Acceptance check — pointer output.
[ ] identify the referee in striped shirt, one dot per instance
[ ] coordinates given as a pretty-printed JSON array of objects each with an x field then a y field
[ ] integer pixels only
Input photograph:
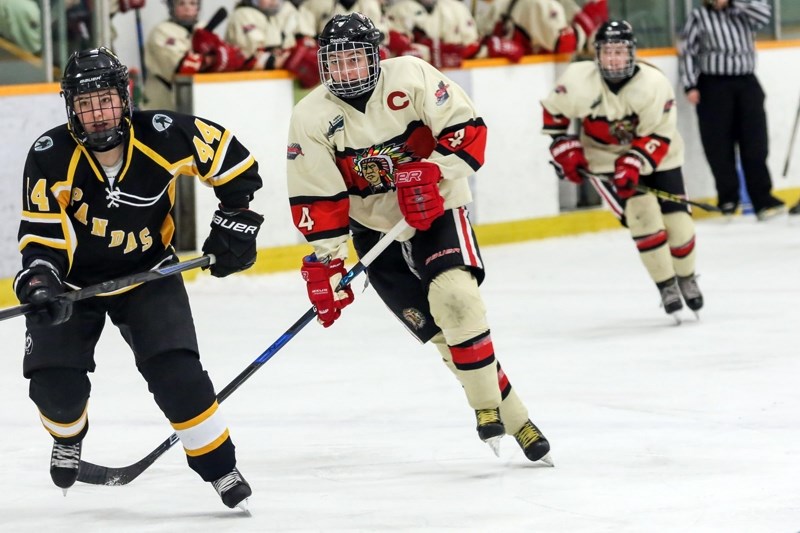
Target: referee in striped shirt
[{"x": 717, "y": 64}]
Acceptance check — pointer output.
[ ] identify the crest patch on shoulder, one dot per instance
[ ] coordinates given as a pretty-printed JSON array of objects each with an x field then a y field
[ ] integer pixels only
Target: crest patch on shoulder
[
  {"x": 161, "y": 121},
  {"x": 43, "y": 143}
]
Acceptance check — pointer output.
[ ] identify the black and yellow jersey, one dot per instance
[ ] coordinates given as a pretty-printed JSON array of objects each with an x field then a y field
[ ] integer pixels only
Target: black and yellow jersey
[{"x": 96, "y": 228}]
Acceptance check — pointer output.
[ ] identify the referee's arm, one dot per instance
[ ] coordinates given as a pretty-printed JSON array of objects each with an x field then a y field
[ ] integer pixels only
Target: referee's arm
[
  {"x": 757, "y": 12},
  {"x": 689, "y": 50}
]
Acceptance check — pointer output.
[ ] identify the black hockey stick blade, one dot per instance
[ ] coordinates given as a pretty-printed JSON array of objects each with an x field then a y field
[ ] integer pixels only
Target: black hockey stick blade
[
  {"x": 103, "y": 475},
  {"x": 664, "y": 195},
  {"x": 119, "y": 283}
]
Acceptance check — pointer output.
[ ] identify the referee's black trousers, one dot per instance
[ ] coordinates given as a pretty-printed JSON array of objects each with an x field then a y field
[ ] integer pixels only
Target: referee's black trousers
[{"x": 731, "y": 113}]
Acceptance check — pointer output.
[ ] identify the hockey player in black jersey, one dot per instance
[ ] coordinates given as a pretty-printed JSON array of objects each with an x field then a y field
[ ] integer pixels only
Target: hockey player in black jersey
[{"x": 97, "y": 197}]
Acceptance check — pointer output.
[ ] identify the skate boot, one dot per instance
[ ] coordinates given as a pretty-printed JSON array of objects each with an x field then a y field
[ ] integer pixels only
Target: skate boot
[
  {"x": 233, "y": 489},
  {"x": 535, "y": 446},
  {"x": 64, "y": 463},
  {"x": 691, "y": 292},
  {"x": 490, "y": 428},
  {"x": 670, "y": 295}
]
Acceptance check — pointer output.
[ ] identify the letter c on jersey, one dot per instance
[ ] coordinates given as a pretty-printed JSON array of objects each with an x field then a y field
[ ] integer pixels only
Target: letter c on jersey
[{"x": 397, "y": 100}]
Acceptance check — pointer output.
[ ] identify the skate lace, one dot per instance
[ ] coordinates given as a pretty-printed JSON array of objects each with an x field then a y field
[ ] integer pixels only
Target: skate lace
[
  {"x": 527, "y": 435},
  {"x": 66, "y": 456},
  {"x": 226, "y": 482},
  {"x": 689, "y": 288},
  {"x": 671, "y": 293},
  {"x": 487, "y": 416}
]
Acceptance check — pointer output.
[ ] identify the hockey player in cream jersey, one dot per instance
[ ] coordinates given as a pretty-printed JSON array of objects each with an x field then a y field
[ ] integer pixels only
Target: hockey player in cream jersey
[
  {"x": 628, "y": 129},
  {"x": 384, "y": 140}
]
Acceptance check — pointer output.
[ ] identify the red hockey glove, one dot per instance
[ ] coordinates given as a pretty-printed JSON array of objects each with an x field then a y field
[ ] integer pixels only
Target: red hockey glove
[
  {"x": 302, "y": 62},
  {"x": 226, "y": 58},
  {"x": 191, "y": 63},
  {"x": 626, "y": 175},
  {"x": 399, "y": 43},
  {"x": 506, "y": 48},
  {"x": 568, "y": 156},
  {"x": 567, "y": 41},
  {"x": 592, "y": 15},
  {"x": 205, "y": 42},
  {"x": 418, "y": 193},
  {"x": 321, "y": 281},
  {"x": 127, "y": 5}
]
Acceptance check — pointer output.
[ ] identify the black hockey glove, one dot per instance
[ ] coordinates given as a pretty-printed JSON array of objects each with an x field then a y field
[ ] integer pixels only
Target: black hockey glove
[
  {"x": 39, "y": 285},
  {"x": 232, "y": 240}
]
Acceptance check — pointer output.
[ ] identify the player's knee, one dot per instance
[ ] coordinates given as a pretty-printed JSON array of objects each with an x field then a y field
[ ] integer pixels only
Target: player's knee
[
  {"x": 60, "y": 393},
  {"x": 456, "y": 305},
  {"x": 643, "y": 215},
  {"x": 180, "y": 386}
]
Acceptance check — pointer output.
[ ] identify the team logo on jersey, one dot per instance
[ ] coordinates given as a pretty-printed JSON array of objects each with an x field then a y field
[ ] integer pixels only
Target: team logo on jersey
[
  {"x": 624, "y": 130},
  {"x": 42, "y": 144},
  {"x": 335, "y": 125},
  {"x": 28, "y": 344},
  {"x": 161, "y": 122},
  {"x": 414, "y": 317},
  {"x": 669, "y": 105},
  {"x": 441, "y": 93},
  {"x": 293, "y": 151},
  {"x": 376, "y": 165}
]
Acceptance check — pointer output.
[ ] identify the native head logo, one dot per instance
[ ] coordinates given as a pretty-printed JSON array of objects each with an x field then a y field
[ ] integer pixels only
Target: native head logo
[
  {"x": 441, "y": 93},
  {"x": 293, "y": 151},
  {"x": 624, "y": 130},
  {"x": 376, "y": 166}
]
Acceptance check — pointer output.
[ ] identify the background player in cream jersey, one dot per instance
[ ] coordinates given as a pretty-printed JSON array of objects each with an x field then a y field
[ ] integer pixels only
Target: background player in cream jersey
[
  {"x": 628, "y": 129},
  {"x": 384, "y": 140}
]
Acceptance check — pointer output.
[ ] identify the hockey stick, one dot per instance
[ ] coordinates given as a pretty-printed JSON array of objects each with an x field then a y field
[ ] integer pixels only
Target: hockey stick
[
  {"x": 118, "y": 283},
  {"x": 104, "y": 475},
  {"x": 140, "y": 40},
  {"x": 791, "y": 142},
  {"x": 664, "y": 195}
]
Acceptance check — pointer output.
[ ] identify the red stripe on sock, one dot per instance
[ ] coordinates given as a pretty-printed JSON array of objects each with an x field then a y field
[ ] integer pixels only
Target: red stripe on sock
[{"x": 479, "y": 351}]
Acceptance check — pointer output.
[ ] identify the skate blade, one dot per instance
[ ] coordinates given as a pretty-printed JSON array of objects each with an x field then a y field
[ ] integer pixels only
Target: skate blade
[
  {"x": 64, "y": 492},
  {"x": 677, "y": 318},
  {"x": 244, "y": 506},
  {"x": 494, "y": 444},
  {"x": 547, "y": 460}
]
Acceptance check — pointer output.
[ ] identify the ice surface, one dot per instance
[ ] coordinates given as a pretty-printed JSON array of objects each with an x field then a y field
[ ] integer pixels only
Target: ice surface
[{"x": 654, "y": 427}]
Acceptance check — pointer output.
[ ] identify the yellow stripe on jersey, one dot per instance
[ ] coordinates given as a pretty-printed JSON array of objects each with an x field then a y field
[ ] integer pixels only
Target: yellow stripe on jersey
[
  {"x": 70, "y": 429},
  {"x": 202, "y": 433},
  {"x": 173, "y": 168},
  {"x": 225, "y": 177},
  {"x": 219, "y": 155},
  {"x": 97, "y": 174},
  {"x": 128, "y": 158},
  {"x": 59, "y": 244}
]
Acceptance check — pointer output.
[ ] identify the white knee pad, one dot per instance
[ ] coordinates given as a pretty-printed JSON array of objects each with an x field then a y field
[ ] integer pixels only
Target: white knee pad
[{"x": 457, "y": 306}]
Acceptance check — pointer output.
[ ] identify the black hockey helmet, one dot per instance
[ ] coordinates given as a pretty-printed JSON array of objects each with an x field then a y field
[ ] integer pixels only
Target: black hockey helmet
[
  {"x": 93, "y": 70},
  {"x": 614, "y": 32},
  {"x": 349, "y": 33},
  {"x": 187, "y": 23}
]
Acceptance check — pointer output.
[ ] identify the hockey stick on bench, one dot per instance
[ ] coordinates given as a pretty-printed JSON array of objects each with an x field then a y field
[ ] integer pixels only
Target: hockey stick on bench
[
  {"x": 104, "y": 475},
  {"x": 118, "y": 283},
  {"x": 664, "y": 195}
]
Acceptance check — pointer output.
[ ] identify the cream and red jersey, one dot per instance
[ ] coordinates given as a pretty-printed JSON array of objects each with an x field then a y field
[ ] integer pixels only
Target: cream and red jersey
[
  {"x": 537, "y": 25},
  {"x": 342, "y": 155},
  {"x": 250, "y": 29},
  {"x": 96, "y": 228},
  {"x": 317, "y": 13},
  {"x": 449, "y": 21},
  {"x": 639, "y": 116}
]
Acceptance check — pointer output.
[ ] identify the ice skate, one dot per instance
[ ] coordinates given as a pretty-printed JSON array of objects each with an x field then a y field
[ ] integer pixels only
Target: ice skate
[
  {"x": 773, "y": 209},
  {"x": 691, "y": 292},
  {"x": 535, "y": 446},
  {"x": 65, "y": 460},
  {"x": 490, "y": 428},
  {"x": 234, "y": 490},
  {"x": 671, "y": 297}
]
